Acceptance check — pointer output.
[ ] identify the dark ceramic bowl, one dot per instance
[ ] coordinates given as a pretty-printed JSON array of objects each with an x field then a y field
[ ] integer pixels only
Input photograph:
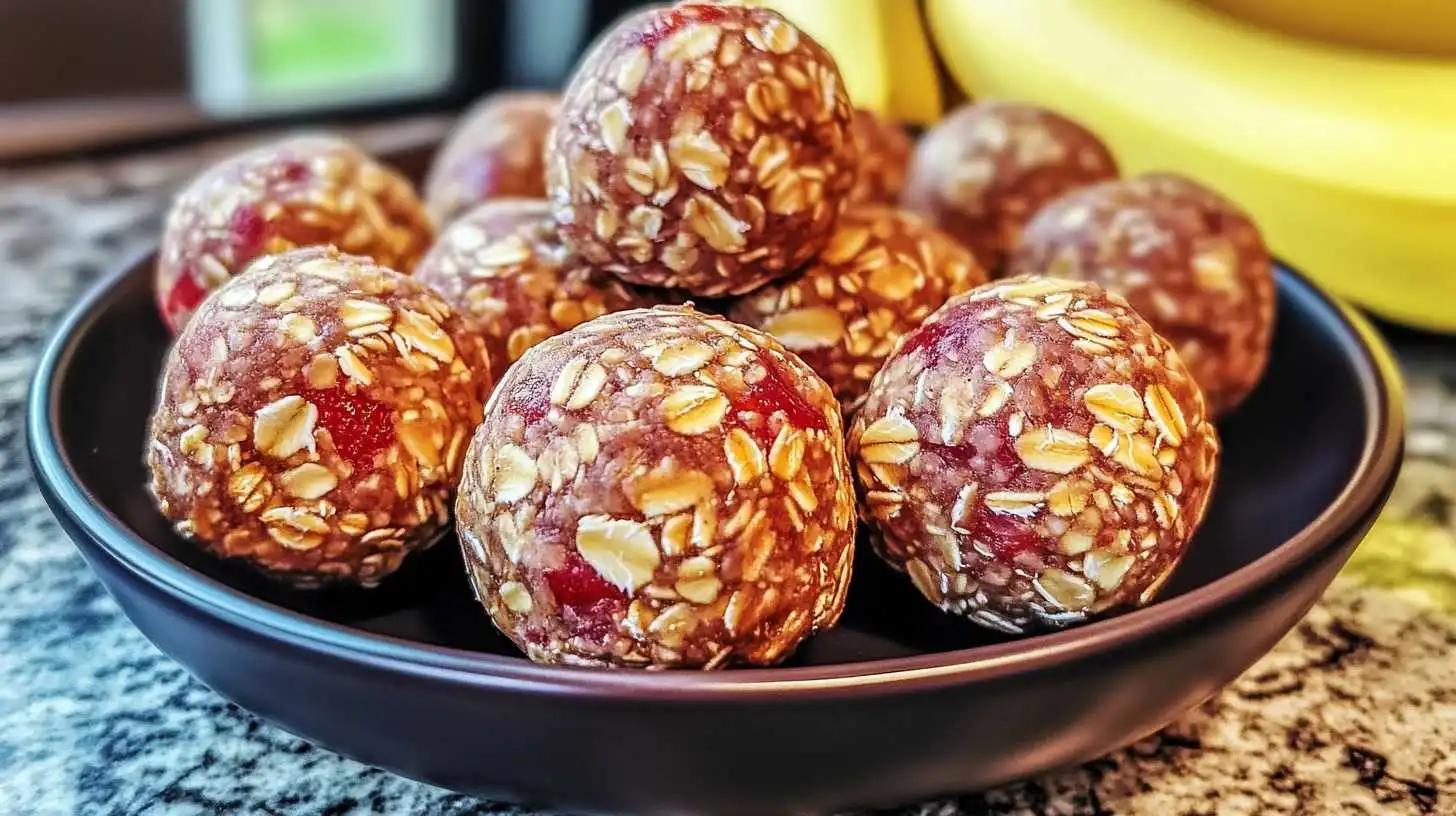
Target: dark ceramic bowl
[{"x": 898, "y": 703}]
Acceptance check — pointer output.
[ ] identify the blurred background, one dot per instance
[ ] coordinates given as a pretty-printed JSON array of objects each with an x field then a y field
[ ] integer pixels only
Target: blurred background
[{"x": 89, "y": 75}]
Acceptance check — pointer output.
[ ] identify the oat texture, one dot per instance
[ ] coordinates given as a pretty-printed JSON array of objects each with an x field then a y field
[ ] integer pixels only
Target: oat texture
[
  {"x": 985, "y": 169},
  {"x": 313, "y": 415},
  {"x": 1188, "y": 259},
  {"x": 1034, "y": 454},
  {"x": 702, "y": 147},
  {"x": 503, "y": 264},
  {"x": 659, "y": 488},
  {"x": 884, "y": 271},
  {"x": 296, "y": 192},
  {"x": 884, "y": 158},
  {"x": 1351, "y": 714},
  {"x": 495, "y": 151}
]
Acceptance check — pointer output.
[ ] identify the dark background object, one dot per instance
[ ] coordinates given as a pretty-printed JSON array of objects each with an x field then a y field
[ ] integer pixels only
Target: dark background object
[
  {"x": 899, "y": 703},
  {"x": 98, "y": 76}
]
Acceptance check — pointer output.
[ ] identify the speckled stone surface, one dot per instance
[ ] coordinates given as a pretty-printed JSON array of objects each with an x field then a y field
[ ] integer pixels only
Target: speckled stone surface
[{"x": 1354, "y": 713}]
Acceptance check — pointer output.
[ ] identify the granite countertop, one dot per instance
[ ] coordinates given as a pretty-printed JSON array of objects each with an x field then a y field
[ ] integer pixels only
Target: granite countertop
[{"x": 1353, "y": 713}]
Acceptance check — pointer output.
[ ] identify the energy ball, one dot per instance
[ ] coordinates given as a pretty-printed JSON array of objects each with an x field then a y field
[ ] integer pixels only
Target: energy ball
[
  {"x": 496, "y": 151},
  {"x": 984, "y": 170},
  {"x": 884, "y": 159},
  {"x": 884, "y": 271},
  {"x": 1034, "y": 455},
  {"x": 503, "y": 264},
  {"x": 660, "y": 489},
  {"x": 301, "y": 191},
  {"x": 704, "y": 147},
  {"x": 313, "y": 416},
  {"x": 1188, "y": 259}
]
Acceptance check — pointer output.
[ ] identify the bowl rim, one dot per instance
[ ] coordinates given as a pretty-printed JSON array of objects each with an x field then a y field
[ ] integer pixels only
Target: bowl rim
[{"x": 1379, "y": 382}]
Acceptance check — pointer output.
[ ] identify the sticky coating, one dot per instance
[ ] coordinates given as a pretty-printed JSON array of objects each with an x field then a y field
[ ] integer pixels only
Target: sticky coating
[
  {"x": 503, "y": 264},
  {"x": 297, "y": 192},
  {"x": 1188, "y": 259},
  {"x": 661, "y": 489},
  {"x": 1034, "y": 455},
  {"x": 884, "y": 271},
  {"x": 985, "y": 169},
  {"x": 313, "y": 416},
  {"x": 495, "y": 151},
  {"x": 884, "y": 159},
  {"x": 703, "y": 147}
]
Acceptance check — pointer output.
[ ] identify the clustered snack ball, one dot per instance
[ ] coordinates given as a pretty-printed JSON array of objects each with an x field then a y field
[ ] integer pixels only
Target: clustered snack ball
[
  {"x": 701, "y": 146},
  {"x": 884, "y": 158},
  {"x": 503, "y": 265},
  {"x": 497, "y": 150},
  {"x": 651, "y": 485},
  {"x": 313, "y": 416},
  {"x": 300, "y": 191},
  {"x": 882, "y": 273},
  {"x": 985, "y": 169},
  {"x": 1186, "y": 258},
  {"x": 659, "y": 488},
  {"x": 1033, "y": 455}
]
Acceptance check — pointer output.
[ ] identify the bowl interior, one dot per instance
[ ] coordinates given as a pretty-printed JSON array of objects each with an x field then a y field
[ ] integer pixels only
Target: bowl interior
[{"x": 1289, "y": 451}]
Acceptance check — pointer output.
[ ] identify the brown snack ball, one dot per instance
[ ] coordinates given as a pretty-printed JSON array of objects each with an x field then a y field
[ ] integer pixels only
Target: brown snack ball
[
  {"x": 1033, "y": 455},
  {"x": 1188, "y": 259},
  {"x": 884, "y": 271},
  {"x": 884, "y": 158},
  {"x": 503, "y": 264},
  {"x": 704, "y": 147},
  {"x": 313, "y": 416},
  {"x": 300, "y": 191},
  {"x": 984, "y": 170},
  {"x": 495, "y": 151},
  {"x": 659, "y": 488}
]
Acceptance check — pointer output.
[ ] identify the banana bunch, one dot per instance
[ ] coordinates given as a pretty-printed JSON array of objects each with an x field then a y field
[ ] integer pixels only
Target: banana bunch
[{"x": 1335, "y": 127}]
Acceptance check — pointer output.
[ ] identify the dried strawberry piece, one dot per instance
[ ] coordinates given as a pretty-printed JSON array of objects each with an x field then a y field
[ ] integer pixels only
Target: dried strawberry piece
[
  {"x": 185, "y": 295},
  {"x": 359, "y": 426},
  {"x": 247, "y": 227},
  {"x": 578, "y": 588},
  {"x": 776, "y": 392}
]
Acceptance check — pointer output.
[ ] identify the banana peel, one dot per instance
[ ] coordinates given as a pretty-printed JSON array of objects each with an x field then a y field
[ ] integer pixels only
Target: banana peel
[{"x": 883, "y": 51}]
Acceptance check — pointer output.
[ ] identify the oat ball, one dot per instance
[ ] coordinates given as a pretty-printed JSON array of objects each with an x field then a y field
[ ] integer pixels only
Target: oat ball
[
  {"x": 884, "y": 158},
  {"x": 1034, "y": 455},
  {"x": 659, "y": 488},
  {"x": 1188, "y": 259},
  {"x": 884, "y": 271},
  {"x": 313, "y": 416},
  {"x": 503, "y": 264},
  {"x": 301, "y": 191},
  {"x": 495, "y": 151},
  {"x": 702, "y": 146},
  {"x": 985, "y": 169}
]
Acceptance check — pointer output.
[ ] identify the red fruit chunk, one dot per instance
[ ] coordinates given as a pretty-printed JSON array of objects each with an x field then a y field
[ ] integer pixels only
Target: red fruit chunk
[
  {"x": 247, "y": 227},
  {"x": 935, "y": 339},
  {"x": 295, "y": 171},
  {"x": 531, "y": 400},
  {"x": 673, "y": 21},
  {"x": 1007, "y": 536},
  {"x": 578, "y": 588},
  {"x": 359, "y": 426},
  {"x": 776, "y": 392},
  {"x": 185, "y": 294}
]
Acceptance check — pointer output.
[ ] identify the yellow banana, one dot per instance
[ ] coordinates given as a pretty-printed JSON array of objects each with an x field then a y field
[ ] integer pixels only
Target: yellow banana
[
  {"x": 882, "y": 51},
  {"x": 1344, "y": 156},
  {"x": 1423, "y": 27}
]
